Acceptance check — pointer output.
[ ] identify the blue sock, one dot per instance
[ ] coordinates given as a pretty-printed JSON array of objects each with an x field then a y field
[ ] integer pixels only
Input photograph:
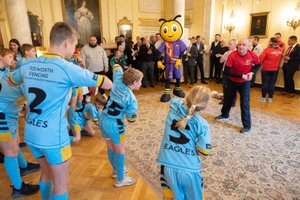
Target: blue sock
[
  {"x": 12, "y": 169},
  {"x": 111, "y": 155},
  {"x": 21, "y": 160},
  {"x": 46, "y": 190},
  {"x": 71, "y": 139},
  {"x": 63, "y": 196},
  {"x": 119, "y": 161},
  {"x": 70, "y": 111},
  {"x": 79, "y": 104}
]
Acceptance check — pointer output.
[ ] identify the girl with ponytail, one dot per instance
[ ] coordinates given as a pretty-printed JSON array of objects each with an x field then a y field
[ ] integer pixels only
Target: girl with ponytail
[{"x": 186, "y": 134}]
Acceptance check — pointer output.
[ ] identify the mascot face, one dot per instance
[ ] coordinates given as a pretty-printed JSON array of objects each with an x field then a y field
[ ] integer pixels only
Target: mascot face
[{"x": 171, "y": 31}]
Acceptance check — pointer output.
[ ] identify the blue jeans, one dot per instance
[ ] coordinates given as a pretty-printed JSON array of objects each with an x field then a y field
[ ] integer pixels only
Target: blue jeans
[
  {"x": 268, "y": 79},
  {"x": 244, "y": 91}
]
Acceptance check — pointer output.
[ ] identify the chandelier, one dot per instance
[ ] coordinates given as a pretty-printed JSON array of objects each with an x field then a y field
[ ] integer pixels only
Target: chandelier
[
  {"x": 230, "y": 26},
  {"x": 294, "y": 21}
]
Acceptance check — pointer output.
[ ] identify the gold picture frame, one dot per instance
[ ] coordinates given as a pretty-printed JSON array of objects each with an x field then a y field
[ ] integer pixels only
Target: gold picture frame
[
  {"x": 85, "y": 17},
  {"x": 259, "y": 24}
]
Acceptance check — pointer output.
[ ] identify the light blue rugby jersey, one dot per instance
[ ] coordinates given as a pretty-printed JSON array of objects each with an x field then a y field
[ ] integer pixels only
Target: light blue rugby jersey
[
  {"x": 179, "y": 147},
  {"x": 121, "y": 99},
  {"x": 8, "y": 96},
  {"x": 89, "y": 112},
  {"x": 47, "y": 83}
]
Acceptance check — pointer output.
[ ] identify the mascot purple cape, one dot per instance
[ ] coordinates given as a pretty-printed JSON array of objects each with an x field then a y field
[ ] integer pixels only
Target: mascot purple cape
[{"x": 173, "y": 48}]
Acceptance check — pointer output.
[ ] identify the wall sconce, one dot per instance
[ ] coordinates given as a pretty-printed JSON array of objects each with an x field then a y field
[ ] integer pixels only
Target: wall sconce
[
  {"x": 230, "y": 26},
  {"x": 294, "y": 20}
]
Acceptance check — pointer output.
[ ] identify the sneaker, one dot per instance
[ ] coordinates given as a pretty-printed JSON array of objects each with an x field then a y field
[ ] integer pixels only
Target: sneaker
[
  {"x": 127, "y": 180},
  {"x": 26, "y": 189},
  {"x": 115, "y": 173},
  {"x": 221, "y": 118},
  {"x": 262, "y": 99},
  {"x": 270, "y": 100},
  {"x": 245, "y": 131},
  {"x": 31, "y": 167}
]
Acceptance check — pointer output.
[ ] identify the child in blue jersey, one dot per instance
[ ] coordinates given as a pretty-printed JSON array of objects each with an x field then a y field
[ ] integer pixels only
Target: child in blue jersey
[
  {"x": 47, "y": 82},
  {"x": 28, "y": 51},
  {"x": 121, "y": 102},
  {"x": 14, "y": 162},
  {"x": 186, "y": 135},
  {"x": 80, "y": 118}
]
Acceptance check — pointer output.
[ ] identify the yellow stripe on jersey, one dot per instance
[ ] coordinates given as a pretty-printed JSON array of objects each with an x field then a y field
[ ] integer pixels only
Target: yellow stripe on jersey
[
  {"x": 12, "y": 81},
  {"x": 100, "y": 81},
  {"x": 5, "y": 137},
  {"x": 76, "y": 128},
  {"x": 168, "y": 193},
  {"x": 79, "y": 90},
  {"x": 122, "y": 138},
  {"x": 95, "y": 120},
  {"x": 66, "y": 152},
  {"x": 204, "y": 152},
  {"x": 51, "y": 55},
  {"x": 116, "y": 67}
]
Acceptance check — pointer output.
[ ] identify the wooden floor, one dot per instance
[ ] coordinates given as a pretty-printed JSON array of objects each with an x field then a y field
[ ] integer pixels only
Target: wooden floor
[{"x": 90, "y": 172}]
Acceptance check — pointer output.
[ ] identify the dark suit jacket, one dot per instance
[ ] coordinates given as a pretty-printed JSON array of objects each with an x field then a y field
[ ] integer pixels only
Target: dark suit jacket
[
  {"x": 215, "y": 49},
  {"x": 200, "y": 51},
  {"x": 192, "y": 58},
  {"x": 294, "y": 60}
]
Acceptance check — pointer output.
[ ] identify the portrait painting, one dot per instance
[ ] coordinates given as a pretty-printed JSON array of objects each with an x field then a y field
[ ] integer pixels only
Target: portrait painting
[
  {"x": 259, "y": 24},
  {"x": 36, "y": 33},
  {"x": 84, "y": 16}
]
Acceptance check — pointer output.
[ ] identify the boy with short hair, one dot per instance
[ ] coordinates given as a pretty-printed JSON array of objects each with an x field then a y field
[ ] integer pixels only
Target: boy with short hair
[{"x": 47, "y": 82}]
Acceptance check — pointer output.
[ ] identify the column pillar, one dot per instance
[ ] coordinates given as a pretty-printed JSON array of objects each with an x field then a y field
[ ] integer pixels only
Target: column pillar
[
  {"x": 178, "y": 9},
  {"x": 18, "y": 20},
  {"x": 208, "y": 31}
]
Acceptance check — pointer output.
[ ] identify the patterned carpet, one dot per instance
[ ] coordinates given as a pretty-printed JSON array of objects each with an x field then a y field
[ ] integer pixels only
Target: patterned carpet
[{"x": 262, "y": 165}]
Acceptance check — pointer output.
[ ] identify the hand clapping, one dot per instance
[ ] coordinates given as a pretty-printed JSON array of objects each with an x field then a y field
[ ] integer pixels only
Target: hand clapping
[{"x": 248, "y": 77}]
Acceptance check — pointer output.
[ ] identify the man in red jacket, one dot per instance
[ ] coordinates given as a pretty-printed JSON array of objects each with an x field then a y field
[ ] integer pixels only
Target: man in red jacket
[{"x": 270, "y": 59}]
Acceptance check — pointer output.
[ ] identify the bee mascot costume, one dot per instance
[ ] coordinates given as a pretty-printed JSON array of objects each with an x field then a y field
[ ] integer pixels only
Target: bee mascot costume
[{"x": 172, "y": 47}]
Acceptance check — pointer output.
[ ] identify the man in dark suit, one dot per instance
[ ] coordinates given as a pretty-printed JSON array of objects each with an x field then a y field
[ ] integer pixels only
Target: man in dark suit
[
  {"x": 200, "y": 51},
  {"x": 291, "y": 65},
  {"x": 214, "y": 50},
  {"x": 189, "y": 62}
]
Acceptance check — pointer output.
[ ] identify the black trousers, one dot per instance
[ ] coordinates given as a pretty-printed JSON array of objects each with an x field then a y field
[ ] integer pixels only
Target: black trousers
[
  {"x": 213, "y": 60},
  {"x": 188, "y": 69},
  {"x": 201, "y": 68},
  {"x": 288, "y": 75},
  {"x": 268, "y": 79},
  {"x": 244, "y": 91}
]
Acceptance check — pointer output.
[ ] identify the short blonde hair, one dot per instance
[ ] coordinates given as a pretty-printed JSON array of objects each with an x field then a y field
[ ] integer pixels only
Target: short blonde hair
[
  {"x": 131, "y": 75},
  {"x": 196, "y": 100}
]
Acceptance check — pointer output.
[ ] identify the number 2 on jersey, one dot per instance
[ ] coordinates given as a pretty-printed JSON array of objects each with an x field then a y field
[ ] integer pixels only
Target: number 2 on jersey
[{"x": 40, "y": 96}]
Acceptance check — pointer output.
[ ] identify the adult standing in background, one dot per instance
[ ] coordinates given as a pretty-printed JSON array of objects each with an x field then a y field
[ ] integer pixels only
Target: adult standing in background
[
  {"x": 94, "y": 58},
  {"x": 189, "y": 62},
  {"x": 147, "y": 58},
  {"x": 240, "y": 67},
  {"x": 219, "y": 65},
  {"x": 279, "y": 41},
  {"x": 214, "y": 50},
  {"x": 200, "y": 51},
  {"x": 84, "y": 17},
  {"x": 270, "y": 59},
  {"x": 291, "y": 65},
  {"x": 257, "y": 49}
]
